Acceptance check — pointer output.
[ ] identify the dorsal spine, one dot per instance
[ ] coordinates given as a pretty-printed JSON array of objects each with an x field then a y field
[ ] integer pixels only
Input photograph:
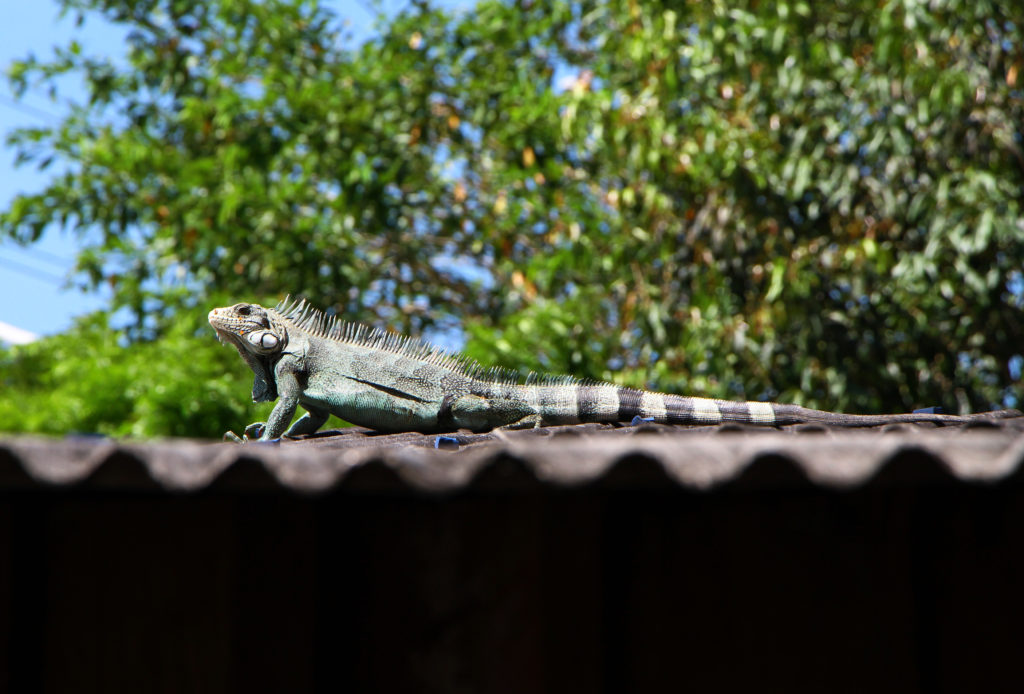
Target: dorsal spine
[{"x": 298, "y": 314}]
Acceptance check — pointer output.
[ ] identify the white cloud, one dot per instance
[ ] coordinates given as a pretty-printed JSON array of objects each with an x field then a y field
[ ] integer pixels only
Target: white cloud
[{"x": 15, "y": 336}]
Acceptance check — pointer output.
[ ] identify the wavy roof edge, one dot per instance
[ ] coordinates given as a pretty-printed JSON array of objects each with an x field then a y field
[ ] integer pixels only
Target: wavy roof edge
[{"x": 694, "y": 461}]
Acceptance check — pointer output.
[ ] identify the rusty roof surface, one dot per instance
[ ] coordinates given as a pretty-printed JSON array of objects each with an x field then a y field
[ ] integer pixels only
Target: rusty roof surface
[{"x": 695, "y": 458}]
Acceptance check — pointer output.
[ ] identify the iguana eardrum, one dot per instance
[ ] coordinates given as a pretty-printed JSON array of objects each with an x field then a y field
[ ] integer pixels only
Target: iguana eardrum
[{"x": 392, "y": 383}]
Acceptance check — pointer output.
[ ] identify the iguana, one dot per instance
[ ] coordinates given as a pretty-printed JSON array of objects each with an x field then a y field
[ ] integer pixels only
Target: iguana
[{"x": 392, "y": 383}]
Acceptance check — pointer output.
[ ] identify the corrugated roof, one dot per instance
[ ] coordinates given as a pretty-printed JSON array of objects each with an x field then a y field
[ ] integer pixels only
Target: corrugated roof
[{"x": 696, "y": 458}]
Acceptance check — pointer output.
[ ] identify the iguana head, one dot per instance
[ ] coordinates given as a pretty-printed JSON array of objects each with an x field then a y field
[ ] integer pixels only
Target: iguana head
[{"x": 258, "y": 337}]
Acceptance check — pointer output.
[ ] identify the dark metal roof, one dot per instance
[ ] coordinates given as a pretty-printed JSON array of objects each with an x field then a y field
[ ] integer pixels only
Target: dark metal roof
[{"x": 696, "y": 458}]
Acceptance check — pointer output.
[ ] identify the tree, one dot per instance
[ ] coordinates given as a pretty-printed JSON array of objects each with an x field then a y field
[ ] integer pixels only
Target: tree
[
  {"x": 822, "y": 200},
  {"x": 819, "y": 204},
  {"x": 244, "y": 147}
]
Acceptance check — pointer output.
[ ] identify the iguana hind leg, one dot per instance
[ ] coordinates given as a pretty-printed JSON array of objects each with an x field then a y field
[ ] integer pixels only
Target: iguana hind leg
[
  {"x": 471, "y": 412},
  {"x": 309, "y": 422},
  {"x": 480, "y": 414}
]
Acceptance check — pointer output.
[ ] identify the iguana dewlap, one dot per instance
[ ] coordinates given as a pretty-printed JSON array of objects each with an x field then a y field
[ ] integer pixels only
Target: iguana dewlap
[{"x": 392, "y": 383}]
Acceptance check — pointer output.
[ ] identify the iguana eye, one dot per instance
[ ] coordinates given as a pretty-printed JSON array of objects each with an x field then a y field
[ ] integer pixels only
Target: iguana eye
[{"x": 243, "y": 310}]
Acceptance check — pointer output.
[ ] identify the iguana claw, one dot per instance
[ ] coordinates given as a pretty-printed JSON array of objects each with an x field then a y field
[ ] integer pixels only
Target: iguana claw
[{"x": 253, "y": 432}]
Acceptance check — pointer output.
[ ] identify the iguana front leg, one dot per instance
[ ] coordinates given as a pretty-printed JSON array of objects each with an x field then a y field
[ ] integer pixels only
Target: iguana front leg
[{"x": 281, "y": 416}]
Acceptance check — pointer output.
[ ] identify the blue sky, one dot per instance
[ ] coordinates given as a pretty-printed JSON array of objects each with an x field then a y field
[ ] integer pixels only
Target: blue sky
[{"x": 33, "y": 295}]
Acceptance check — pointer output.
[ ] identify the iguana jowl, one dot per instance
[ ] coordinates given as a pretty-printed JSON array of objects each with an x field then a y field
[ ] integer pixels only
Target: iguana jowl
[{"x": 392, "y": 383}]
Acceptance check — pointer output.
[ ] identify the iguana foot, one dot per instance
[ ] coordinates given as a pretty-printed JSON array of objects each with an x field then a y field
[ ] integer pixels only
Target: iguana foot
[
  {"x": 255, "y": 430},
  {"x": 530, "y": 421},
  {"x": 252, "y": 432}
]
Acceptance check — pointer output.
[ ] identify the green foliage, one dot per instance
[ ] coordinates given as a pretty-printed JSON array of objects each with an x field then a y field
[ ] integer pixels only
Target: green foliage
[
  {"x": 819, "y": 203},
  {"x": 87, "y": 380}
]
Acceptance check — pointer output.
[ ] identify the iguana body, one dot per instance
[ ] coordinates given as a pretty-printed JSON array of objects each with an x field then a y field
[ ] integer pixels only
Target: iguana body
[{"x": 392, "y": 383}]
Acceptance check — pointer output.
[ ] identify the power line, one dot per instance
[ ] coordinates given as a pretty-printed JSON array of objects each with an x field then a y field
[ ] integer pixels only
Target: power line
[
  {"x": 32, "y": 272},
  {"x": 26, "y": 109},
  {"x": 47, "y": 257}
]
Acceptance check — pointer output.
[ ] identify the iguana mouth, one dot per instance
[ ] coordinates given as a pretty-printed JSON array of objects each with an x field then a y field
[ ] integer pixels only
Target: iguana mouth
[
  {"x": 224, "y": 337},
  {"x": 264, "y": 388},
  {"x": 228, "y": 338}
]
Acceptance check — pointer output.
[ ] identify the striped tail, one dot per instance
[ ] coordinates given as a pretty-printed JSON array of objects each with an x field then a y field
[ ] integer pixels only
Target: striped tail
[
  {"x": 678, "y": 409},
  {"x": 607, "y": 403}
]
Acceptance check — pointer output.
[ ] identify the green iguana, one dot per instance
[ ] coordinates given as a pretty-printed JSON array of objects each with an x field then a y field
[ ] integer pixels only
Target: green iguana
[{"x": 392, "y": 383}]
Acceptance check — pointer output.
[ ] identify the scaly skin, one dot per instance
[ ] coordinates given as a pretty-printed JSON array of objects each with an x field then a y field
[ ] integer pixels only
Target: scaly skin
[{"x": 393, "y": 383}]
